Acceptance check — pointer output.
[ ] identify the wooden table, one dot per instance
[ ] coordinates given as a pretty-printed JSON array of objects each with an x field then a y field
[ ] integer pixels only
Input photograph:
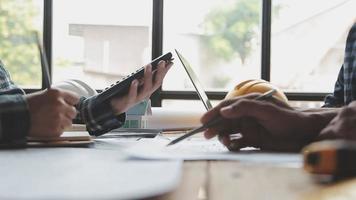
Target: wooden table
[{"x": 219, "y": 180}]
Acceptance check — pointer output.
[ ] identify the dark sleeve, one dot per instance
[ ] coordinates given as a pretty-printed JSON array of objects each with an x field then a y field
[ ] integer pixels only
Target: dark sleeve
[
  {"x": 98, "y": 117},
  {"x": 14, "y": 119},
  {"x": 14, "y": 113},
  {"x": 337, "y": 98}
]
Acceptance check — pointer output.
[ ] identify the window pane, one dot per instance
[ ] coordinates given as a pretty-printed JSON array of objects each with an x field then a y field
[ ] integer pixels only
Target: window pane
[
  {"x": 308, "y": 41},
  {"x": 220, "y": 39},
  {"x": 18, "y": 50},
  {"x": 100, "y": 41}
]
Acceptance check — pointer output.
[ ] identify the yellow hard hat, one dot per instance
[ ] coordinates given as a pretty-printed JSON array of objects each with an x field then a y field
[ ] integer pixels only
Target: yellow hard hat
[{"x": 256, "y": 85}]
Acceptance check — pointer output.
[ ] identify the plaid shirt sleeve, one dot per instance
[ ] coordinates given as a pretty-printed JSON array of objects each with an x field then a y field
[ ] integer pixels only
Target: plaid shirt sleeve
[
  {"x": 14, "y": 114},
  {"x": 98, "y": 117},
  {"x": 337, "y": 98},
  {"x": 345, "y": 86}
]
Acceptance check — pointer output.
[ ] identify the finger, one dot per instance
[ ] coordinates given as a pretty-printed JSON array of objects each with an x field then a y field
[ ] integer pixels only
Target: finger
[
  {"x": 169, "y": 65},
  {"x": 210, "y": 133},
  {"x": 224, "y": 139},
  {"x": 162, "y": 63},
  {"x": 214, "y": 112},
  {"x": 225, "y": 127},
  {"x": 58, "y": 132},
  {"x": 66, "y": 123},
  {"x": 147, "y": 82},
  {"x": 160, "y": 74},
  {"x": 237, "y": 144},
  {"x": 70, "y": 97},
  {"x": 70, "y": 112},
  {"x": 132, "y": 95},
  {"x": 62, "y": 123}
]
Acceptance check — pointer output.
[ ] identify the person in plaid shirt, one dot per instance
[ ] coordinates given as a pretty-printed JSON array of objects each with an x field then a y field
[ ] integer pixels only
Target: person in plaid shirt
[
  {"x": 345, "y": 90},
  {"x": 47, "y": 113},
  {"x": 273, "y": 125}
]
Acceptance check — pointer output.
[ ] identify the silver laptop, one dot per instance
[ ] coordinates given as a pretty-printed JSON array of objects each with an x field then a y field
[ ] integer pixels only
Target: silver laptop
[{"x": 193, "y": 77}]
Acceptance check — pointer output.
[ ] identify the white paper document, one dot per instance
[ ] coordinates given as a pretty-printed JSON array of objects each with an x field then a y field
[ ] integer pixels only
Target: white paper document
[
  {"x": 202, "y": 149},
  {"x": 82, "y": 173}
]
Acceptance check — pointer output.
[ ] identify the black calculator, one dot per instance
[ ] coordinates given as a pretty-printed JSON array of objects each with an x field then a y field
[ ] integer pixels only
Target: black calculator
[{"x": 122, "y": 87}]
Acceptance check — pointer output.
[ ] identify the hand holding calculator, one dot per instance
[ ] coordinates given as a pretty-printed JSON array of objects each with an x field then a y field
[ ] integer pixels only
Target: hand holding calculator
[{"x": 122, "y": 87}]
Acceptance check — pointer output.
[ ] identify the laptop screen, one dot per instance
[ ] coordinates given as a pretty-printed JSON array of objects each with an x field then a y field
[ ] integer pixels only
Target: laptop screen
[{"x": 198, "y": 87}]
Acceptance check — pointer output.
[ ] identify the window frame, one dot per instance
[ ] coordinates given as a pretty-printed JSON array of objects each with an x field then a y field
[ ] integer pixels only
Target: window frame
[{"x": 157, "y": 47}]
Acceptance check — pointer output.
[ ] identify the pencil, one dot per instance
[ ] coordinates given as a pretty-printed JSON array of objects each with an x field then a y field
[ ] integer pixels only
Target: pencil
[
  {"x": 44, "y": 62},
  {"x": 216, "y": 120}
]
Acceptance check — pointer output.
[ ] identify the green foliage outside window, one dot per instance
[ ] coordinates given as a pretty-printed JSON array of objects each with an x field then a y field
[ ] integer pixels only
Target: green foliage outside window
[
  {"x": 232, "y": 28},
  {"x": 18, "y": 50}
]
